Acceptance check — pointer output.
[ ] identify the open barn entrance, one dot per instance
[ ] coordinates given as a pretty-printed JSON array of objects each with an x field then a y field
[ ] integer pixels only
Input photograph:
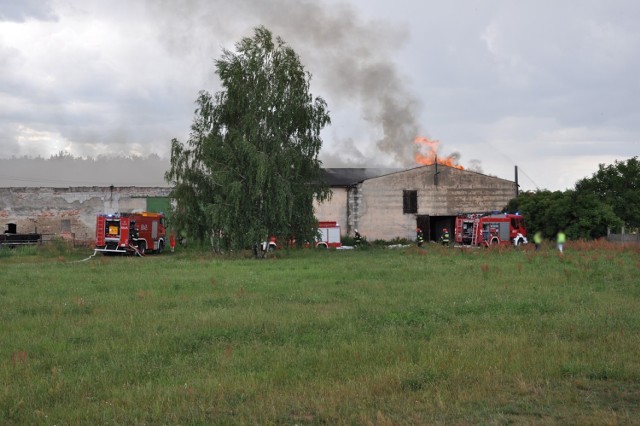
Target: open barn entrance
[
  {"x": 436, "y": 226},
  {"x": 423, "y": 222}
]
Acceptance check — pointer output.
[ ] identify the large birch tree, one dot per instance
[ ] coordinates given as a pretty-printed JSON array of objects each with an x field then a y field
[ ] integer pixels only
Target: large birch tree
[{"x": 250, "y": 168}]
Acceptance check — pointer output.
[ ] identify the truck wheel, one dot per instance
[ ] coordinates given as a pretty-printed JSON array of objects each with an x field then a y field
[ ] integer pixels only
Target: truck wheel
[{"x": 142, "y": 247}]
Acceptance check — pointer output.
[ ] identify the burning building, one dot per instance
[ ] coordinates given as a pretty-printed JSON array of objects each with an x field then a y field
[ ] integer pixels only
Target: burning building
[
  {"x": 390, "y": 203},
  {"x": 380, "y": 203}
]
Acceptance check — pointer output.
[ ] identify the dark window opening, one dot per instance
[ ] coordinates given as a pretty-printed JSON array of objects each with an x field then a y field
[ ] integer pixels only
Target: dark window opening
[
  {"x": 65, "y": 226},
  {"x": 410, "y": 202}
]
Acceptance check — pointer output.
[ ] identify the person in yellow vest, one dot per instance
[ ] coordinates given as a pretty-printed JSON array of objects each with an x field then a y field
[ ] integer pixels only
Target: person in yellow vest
[
  {"x": 561, "y": 239},
  {"x": 537, "y": 239}
]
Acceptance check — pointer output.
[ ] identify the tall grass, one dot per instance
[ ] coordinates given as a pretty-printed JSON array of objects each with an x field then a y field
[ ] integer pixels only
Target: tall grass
[{"x": 371, "y": 336}]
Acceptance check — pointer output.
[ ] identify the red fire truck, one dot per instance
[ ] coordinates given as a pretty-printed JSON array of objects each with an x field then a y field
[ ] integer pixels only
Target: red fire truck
[
  {"x": 329, "y": 235},
  {"x": 485, "y": 229},
  {"x": 130, "y": 233}
]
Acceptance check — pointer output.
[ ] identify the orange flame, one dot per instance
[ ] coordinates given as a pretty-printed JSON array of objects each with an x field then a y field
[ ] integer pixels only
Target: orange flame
[{"x": 428, "y": 153}]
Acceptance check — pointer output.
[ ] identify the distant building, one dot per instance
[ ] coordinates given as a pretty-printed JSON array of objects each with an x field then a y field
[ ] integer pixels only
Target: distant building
[
  {"x": 71, "y": 212},
  {"x": 390, "y": 203},
  {"x": 381, "y": 203}
]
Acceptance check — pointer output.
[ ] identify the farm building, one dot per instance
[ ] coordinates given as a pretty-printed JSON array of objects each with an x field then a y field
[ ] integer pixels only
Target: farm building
[
  {"x": 390, "y": 203},
  {"x": 71, "y": 212},
  {"x": 380, "y": 203}
]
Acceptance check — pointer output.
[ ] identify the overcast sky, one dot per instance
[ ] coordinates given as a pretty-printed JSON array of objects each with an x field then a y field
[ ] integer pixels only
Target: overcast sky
[{"x": 550, "y": 86}]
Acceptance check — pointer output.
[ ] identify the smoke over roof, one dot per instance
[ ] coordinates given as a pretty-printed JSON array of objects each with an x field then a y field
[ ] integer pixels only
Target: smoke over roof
[
  {"x": 119, "y": 78},
  {"x": 351, "y": 61}
]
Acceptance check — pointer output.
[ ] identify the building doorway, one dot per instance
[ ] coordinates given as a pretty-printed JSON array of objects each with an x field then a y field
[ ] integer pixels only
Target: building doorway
[
  {"x": 438, "y": 223},
  {"x": 423, "y": 222}
]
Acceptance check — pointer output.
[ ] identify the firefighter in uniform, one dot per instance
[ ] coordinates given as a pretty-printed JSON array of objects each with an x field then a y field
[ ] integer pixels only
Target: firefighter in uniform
[
  {"x": 172, "y": 242},
  {"x": 133, "y": 231},
  {"x": 444, "y": 239},
  {"x": 419, "y": 237},
  {"x": 358, "y": 238}
]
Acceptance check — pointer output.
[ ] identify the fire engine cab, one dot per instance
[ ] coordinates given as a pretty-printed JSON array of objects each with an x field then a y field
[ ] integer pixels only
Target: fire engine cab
[
  {"x": 487, "y": 229},
  {"x": 130, "y": 233}
]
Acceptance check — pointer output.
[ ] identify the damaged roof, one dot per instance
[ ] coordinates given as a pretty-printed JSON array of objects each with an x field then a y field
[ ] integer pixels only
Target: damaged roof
[{"x": 346, "y": 176}]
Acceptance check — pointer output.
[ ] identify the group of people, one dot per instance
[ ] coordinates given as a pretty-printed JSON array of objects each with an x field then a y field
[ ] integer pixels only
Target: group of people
[
  {"x": 444, "y": 238},
  {"x": 561, "y": 239}
]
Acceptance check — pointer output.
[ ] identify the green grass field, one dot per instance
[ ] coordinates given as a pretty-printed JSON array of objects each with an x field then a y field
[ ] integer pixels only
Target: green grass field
[{"x": 372, "y": 336}]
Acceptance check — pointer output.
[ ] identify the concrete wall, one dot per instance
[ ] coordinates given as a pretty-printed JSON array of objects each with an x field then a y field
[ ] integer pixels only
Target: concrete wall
[
  {"x": 624, "y": 238},
  {"x": 55, "y": 211},
  {"x": 374, "y": 206},
  {"x": 335, "y": 209},
  {"x": 377, "y": 209}
]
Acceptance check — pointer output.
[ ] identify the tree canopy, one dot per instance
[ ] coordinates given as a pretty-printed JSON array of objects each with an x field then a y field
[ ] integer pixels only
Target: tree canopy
[
  {"x": 581, "y": 216},
  {"x": 250, "y": 168},
  {"x": 606, "y": 201},
  {"x": 618, "y": 185}
]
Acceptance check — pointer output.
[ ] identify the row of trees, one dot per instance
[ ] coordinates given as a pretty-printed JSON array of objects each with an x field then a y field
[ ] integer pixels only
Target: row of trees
[{"x": 608, "y": 200}]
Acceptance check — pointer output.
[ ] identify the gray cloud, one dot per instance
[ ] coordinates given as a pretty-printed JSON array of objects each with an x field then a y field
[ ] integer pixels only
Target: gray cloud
[
  {"x": 351, "y": 59},
  {"x": 20, "y": 11},
  {"x": 530, "y": 83}
]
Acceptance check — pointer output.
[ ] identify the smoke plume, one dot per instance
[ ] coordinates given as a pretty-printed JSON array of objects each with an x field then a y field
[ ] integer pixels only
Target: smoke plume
[{"x": 350, "y": 59}]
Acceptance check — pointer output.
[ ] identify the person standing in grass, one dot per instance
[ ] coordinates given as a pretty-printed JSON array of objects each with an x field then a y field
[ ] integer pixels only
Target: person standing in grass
[
  {"x": 561, "y": 239},
  {"x": 444, "y": 239},
  {"x": 537, "y": 239},
  {"x": 358, "y": 238},
  {"x": 419, "y": 237}
]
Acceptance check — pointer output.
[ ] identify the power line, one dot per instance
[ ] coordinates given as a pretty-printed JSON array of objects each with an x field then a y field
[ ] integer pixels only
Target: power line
[
  {"x": 513, "y": 163},
  {"x": 520, "y": 170}
]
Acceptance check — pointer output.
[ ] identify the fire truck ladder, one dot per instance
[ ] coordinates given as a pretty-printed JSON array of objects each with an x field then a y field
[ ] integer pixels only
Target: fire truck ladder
[{"x": 474, "y": 232}]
